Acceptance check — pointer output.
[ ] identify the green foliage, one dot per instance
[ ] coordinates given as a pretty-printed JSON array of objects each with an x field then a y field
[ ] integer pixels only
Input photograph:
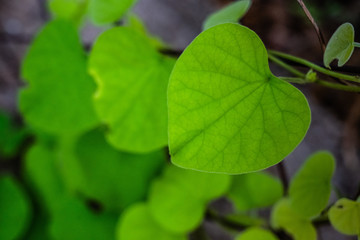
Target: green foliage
[
  {"x": 38, "y": 228},
  {"x": 177, "y": 201},
  {"x": 229, "y": 14},
  {"x": 15, "y": 209},
  {"x": 227, "y": 112},
  {"x": 100, "y": 145},
  {"x": 68, "y": 165},
  {"x": 42, "y": 174},
  {"x": 48, "y": 102},
  {"x": 136, "y": 223},
  {"x": 11, "y": 136},
  {"x": 284, "y": 217},
  {"x": 344, "y": 215},
  {"x": 132, "y": 80},
  {"x": 340, "y": 45},
  {"x": 72, "y": 220},
  {"x": 310, "y": 188},
  {"x": 256, "y": 234},
  {"x": 201, "y": 185},
  {"x": 114, "y": 178},
  {"x": 68, "y": 9},
  {"x": 255, "y": 190},
  {"x": 108, "y": 11},
  {"x": 175, "y": 210}
]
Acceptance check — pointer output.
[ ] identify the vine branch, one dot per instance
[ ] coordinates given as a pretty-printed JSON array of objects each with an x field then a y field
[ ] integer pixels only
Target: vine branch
[{"x": 315, "y": 67}]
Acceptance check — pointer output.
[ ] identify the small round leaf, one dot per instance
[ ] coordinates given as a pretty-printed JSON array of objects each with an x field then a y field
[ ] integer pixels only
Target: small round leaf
[
  {"x": 345, "y": 216},
  {"x": 229, "y": 14},
  {"x": 108, "y": 11},
  {"x": 136, "y": 223},
  {"x": 340, "y": 45},
  {"x": 310, "y": 188},
  {"x": 255, "y": 190},
  {"x": 284, "y": 217}
]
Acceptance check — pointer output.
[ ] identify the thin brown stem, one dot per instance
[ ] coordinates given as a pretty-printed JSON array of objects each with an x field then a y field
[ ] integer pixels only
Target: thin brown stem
[{"x": 312, "y": 20}]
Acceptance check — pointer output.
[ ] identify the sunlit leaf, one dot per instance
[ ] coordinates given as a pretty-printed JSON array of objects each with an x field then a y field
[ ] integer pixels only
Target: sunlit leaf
[
  {"x": 114, "y": 178},
  {"x": 310, "y": 188},
  {"x": 202, "y": 186},
  {"x": 284, "y": 217},
  {"x": 14, "y": 209},
  {"x": 132, "y": 82},
  {"x": 340, "y": 45},
  {"x": 227, "y": 112},
  {"x": 174, "y": 209},
  {"x": 72, "y": 220},
  {"x": 108, "y": 11},
  {"x": 136, "y": 223},
  {"x": 255, "y": 190},
  {"x": 178, "y": 199},
  {"x": 58, "y": 98},
  {"x": 344, "y": 215},
  {"x": 256, "y": 234},
  {"x": 229, "y": 14}
]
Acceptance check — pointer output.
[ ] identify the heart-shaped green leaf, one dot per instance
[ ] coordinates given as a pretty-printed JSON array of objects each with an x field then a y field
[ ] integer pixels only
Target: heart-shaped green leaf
[
  {"x": 257, "y": 234},
  {"x": 136, "y": 223},
  {"x": 227, "y": 112},
  {"x": 284, "y": 217},
  {"x": 255, "y": 190},
  {"x": 340, "y": 45},
  {"x": 310, "y": 189},
  {"x": 58, "y": 99},
  {"x": 14, "y": 209},
  {"x": 345, "y": 216},
  {"x": 229, "y": 14},
  {"x": 132, "y": 78},
  {"x": 107, "y": 11}
]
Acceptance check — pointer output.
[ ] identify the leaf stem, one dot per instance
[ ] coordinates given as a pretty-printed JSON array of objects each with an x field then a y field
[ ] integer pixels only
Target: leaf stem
[
  {"x": 315, "y": 67},
  {"x": 356, "y": 44},
  {"x": 294, "y": 80},
  {"x": 286, "y": 66},
  {"x": 323, "y": 83},
  {"x": 338, "y": 86}
]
